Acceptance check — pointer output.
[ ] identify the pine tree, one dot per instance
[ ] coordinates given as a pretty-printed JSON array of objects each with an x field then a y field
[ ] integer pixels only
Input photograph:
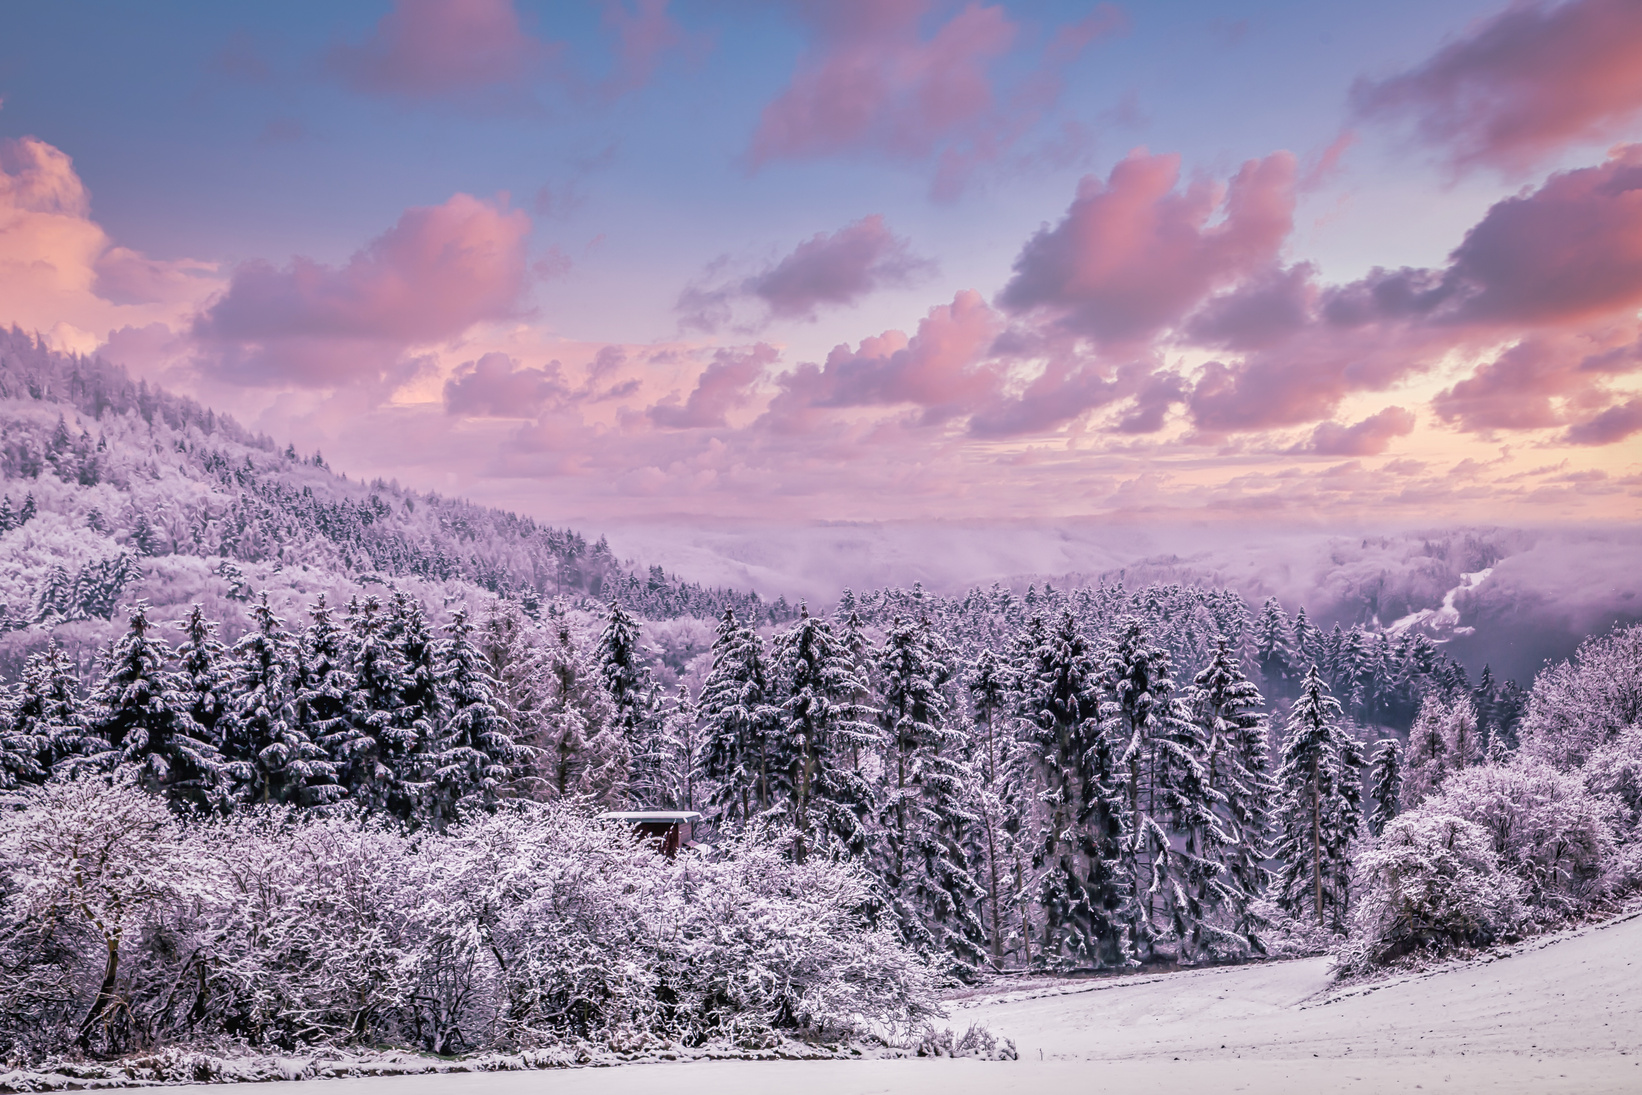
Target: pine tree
[
  {"x": 140, "y": 711},
  {"x": 46, "y": 716},
  {"x": 1315, "y": 822},
  {"x": 1168, "y": 792},
  {"x": 1082, "y": 832},
  {"x": 1428, "y": 762},
  {"x": 473, "y": 755},
  {"x": 820, "y": 724},
  {"x": 203, "y": 676},
  {"x": 374, "y": 742},
  {"x": 415, "y": 648},
  {"x": 271, "y": 757},
  {"x": 628, "y": 681},
  {"x": 577, "y": 740},
  {"x": 1385, "y": 784},
  {"x": 1226, "y": 705},
  {"x": 924, "y": 808},
  {"x": 321, "y": 683},
  {"x": 989, "y": 687},
  {"x": 738, "y": 719},
  {"x": 1271, "y": 647}
]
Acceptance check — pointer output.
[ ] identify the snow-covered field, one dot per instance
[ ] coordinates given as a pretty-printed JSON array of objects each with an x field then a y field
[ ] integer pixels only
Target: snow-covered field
[{"x": 1557, "y": 1014}]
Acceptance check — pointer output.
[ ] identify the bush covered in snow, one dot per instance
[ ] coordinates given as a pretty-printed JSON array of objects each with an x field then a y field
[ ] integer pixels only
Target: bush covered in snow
[
  {"x": 1432, "y": 881},
  {"x": 123, "y": 928}
]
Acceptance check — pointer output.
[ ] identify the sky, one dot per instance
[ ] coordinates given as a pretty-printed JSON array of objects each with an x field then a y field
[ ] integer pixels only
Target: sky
[{"x": 1240, "y": 263}]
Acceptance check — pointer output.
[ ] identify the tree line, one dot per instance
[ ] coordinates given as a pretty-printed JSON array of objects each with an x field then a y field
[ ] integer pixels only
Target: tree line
[{"x": 1051, "y": 792}]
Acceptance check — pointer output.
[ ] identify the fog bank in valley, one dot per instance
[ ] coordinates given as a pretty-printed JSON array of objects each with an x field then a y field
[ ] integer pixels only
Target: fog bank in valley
[{"x": 1544, "y": 591}]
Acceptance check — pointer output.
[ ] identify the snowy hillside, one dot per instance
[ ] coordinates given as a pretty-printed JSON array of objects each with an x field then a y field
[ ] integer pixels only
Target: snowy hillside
[{"x": 114, "y": 490}]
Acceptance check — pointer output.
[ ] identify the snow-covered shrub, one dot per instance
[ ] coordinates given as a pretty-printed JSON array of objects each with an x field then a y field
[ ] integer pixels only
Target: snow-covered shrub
[
  {"x": 1577, "y": 705},
  {"x": 1431, "y": 882},
  {"x": 124, "y": 928},
  {"x": 1614, "y": 771},
  {"x": 95, "y": 876},
  {"x": 1545, "y": 826}
]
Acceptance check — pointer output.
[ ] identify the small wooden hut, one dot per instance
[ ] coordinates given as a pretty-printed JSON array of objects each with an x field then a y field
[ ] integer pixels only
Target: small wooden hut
[{"x": 667, "y": 830}]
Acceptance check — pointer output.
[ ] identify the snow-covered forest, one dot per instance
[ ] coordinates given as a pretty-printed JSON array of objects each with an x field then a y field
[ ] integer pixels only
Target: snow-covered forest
[
  {"x": 111, "y": 486},
  {"x": 292, "y": 760}
]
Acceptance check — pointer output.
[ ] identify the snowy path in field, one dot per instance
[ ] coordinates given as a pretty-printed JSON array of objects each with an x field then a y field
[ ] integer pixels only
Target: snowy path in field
[{"x": 1559, "y": 1015}]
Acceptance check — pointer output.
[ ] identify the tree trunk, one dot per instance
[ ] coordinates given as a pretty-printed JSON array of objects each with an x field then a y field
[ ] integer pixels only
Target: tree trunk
[
  {"x": 1317, "y": 836},
  {"x": 104, "y": 1002}
]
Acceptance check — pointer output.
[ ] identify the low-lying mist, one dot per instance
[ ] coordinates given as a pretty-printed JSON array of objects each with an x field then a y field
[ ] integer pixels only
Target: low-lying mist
[{"x": 1545, "y": 591}]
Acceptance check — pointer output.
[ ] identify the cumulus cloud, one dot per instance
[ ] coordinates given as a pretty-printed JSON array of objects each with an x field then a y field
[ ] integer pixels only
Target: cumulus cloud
[
  {"x": 725, "y": 384},
  {"x": 1523, "y": 85},
  {"x": 430, "y": 48},
  {"x": 940, "y": 369},
  {"x": 1570, "y": 250},
  {"x": 873, "y": 83},
  {"x": 834, "y": 269},
  {"x": 1134, "y": 254},
  {"x": 496, "y": 386},
  {"x": 1614, "y": 424},
  {"x": 1370, "y": 437},
  {"x": 437, "y": 272},
  {"x": 60, "y": 269}
]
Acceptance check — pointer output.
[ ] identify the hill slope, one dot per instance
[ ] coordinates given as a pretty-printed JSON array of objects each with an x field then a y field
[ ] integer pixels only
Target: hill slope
[{"x": 113, "y": 489}]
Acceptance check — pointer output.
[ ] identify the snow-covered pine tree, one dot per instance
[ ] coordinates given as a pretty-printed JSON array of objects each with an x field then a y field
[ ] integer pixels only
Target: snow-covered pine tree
[
  {"x": 997, "y": 804},
  {"x": 406, "y": 628},
  {"x": 472, "y": 754},
  {"x": 47, "y": 710},
  {"x": 989, "y": 689},
  {"x": 271, "y": 758},
  {"x": 738, "y": 720},
  {"x": 1427, "y": 763},
  {"x": 1272, "y": 651},
  {"x": 1385, "y": 782},
  {"x": 1226, "y": 705},
  {"x": 320, "y": 681},
  {"x": 1314, "y": 821},
  {"x": 1081, "y": 831},
  {"x": 202, "y": 672},
  {"x": 374, "y": 743},
  {"x": 579, "y": 747},
  {"x": 925, "y": 803},
  {"x": 1462, "y": 733},
  {"x": 820, "y": 724},
  {"x": 140, "y": 711},
  {"x": 1174, "y": 888},
  {"x": 628, "y": 681}
]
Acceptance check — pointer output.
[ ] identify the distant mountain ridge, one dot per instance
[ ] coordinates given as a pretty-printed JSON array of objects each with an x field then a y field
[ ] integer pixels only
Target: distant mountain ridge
[{"x": 132, "y": 490}]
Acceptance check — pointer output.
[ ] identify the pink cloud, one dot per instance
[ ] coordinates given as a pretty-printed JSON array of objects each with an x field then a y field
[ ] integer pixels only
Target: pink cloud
[
  {"x": 431, "y": 48},
  {"x": 1566, "y": 252},
  {"x": 1524, "y": 387},
  {"x": 60, "y": 271},
  {"x": 873, "y": 83},
  {"x": 828, "y": 269},
  {"x": 1523, "y": 85},
  {"x": 940, "y": 369},
  {"x": 836, "y": 269},
  {"x": 1614, "y": 424},
  {"x": 1370, "y": 437},
  {"x": 495, "y": 386},
  {"x": 1133, "y": 255},
  {"x": 724, "y": 385},
  {"x": 437, "y": 272}
]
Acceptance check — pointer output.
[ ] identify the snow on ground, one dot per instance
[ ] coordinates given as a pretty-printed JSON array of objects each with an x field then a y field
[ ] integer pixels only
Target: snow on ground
[{"x": 1561, "y": 1014}]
